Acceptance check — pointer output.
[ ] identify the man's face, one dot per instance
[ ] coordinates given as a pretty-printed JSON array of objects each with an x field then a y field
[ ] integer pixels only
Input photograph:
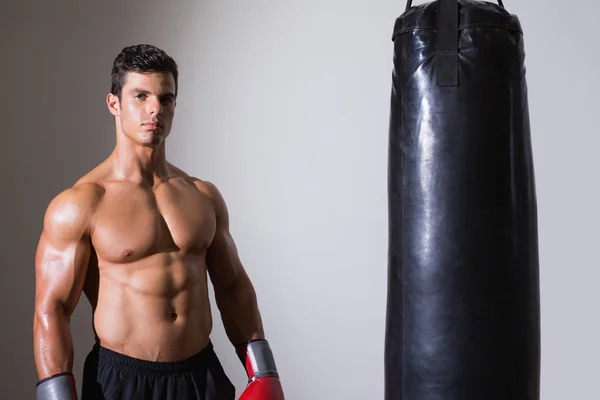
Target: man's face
[{"x": 146, "y": 108}]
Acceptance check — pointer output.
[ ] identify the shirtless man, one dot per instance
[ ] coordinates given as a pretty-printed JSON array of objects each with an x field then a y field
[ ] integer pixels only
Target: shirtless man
[{"x": 141, "y": 238}]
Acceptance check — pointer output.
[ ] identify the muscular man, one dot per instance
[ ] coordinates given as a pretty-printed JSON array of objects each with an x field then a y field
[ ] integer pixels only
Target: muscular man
[{"x": 140, "y": 238}]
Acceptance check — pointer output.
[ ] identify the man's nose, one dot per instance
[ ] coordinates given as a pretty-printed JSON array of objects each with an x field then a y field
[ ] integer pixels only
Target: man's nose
[{"x": 154, "y": 106}]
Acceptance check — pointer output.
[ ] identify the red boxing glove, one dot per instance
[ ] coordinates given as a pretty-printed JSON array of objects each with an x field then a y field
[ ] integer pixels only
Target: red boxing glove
[{"x": 263, "y": 378}]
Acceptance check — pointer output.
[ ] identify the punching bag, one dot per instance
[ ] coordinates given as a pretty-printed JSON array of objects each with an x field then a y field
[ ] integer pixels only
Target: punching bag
[{"x": 462, "y": 317}]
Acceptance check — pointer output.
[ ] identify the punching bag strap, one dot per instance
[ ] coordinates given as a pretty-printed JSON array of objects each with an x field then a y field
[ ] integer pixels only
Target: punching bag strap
[
  {"x": 446, "y": 57},
  {"x": 446, "y": 65},
  {"x": 409, "y": 4}
]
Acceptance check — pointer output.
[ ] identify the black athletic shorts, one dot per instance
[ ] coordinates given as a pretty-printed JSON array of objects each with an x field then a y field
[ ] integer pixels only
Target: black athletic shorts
[{"x": 108, "y": 375}]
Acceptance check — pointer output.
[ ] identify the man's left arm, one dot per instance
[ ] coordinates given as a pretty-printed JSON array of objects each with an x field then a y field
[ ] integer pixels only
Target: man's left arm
[{"x": 237, "y": 302}]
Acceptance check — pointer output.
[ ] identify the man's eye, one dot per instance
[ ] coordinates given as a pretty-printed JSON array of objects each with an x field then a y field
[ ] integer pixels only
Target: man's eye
[{"x": 140, "y": 96}]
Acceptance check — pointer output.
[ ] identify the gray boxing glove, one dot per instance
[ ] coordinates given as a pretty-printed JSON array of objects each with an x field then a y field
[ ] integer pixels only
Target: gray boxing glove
[{"x": 57, "y": 387}]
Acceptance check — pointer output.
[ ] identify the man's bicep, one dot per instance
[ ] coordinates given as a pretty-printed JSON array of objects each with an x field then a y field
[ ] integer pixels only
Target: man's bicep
[
  {"x": 60, "y": 273},
  {"x": 62, "y": 257},
  {"x": 223, "y": 262}
]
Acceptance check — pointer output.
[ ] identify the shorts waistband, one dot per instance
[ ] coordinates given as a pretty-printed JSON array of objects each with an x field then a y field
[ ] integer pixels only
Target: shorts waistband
[{"x": 115, "y": 359}]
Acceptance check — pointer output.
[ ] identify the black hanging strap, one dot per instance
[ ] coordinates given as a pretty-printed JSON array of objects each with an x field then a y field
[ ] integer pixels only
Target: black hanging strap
[
  {"x": 446, "y": 67},
  {"x": 446, "y": 58},
  {"x": 409, "y": 4}
]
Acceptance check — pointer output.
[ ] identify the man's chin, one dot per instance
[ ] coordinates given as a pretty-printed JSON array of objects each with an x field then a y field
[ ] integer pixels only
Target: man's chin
[{"x": 151, "y": 139}]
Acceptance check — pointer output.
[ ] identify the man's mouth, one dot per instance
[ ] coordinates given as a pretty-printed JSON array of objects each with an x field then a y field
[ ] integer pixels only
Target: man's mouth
[{"x": 152, "y": 125}]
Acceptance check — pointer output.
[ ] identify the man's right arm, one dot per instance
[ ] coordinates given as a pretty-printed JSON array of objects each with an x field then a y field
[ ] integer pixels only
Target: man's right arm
[{"x": 61, "y": 263}]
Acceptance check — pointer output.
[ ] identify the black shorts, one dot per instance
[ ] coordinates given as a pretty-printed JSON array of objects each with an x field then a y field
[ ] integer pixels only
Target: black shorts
[{"x": 108, "y": 375}]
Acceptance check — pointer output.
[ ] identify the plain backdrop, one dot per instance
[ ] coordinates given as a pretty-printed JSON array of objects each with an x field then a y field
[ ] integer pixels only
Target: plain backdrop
[{"x": 284, "y": 105}]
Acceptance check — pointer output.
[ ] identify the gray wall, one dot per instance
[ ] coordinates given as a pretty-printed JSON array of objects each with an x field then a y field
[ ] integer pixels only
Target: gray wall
[{"x": 284, "y": 105}]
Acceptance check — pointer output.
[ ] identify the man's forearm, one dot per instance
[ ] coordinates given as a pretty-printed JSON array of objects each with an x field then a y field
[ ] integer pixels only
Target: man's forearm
[
  {"x": 53, "y": 344},
  {"x": 244, "y": 328},
  {"x": 239, "y": 312}
]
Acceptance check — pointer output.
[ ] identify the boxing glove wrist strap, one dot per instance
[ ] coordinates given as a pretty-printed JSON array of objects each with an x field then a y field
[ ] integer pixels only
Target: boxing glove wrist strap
[
  {"x": 57, "y": 387},
  {"x": 257, "y": 358}
]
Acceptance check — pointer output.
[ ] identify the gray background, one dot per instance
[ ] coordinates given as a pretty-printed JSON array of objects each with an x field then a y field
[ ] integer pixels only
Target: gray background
[{"x": 284, "y": 105}]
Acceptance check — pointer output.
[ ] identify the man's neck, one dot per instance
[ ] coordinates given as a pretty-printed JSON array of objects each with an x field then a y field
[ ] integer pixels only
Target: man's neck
[{"x": 140, "y": 164}]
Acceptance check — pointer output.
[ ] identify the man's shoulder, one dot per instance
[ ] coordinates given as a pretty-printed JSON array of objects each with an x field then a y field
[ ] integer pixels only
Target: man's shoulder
[
  {"x": 205, "y": 186},
  {"x": 211, "y": 191},
  {"x": 72, "y": 208},
  {"x": 208, "y": 188},
  {"x": 82, "y": 195}
]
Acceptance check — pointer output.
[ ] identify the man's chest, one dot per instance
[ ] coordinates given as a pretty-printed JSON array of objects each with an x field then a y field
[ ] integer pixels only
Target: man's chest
[{"x": 131, "y": 223}]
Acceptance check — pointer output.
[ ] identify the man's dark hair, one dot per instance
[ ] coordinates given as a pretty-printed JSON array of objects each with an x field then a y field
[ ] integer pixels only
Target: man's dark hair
[{"x": 140, "y": 58}]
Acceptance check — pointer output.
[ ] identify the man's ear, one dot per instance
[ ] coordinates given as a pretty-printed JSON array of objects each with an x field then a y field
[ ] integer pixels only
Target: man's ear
[{"x": 113, "y": 104}]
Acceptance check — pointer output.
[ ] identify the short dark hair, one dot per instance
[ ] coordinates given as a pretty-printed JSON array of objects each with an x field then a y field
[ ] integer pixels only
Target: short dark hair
[{"x": 140, "y": 58}]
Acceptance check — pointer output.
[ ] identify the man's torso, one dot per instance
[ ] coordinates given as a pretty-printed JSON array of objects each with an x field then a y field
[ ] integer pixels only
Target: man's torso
[{"x": 147, "y": 280}]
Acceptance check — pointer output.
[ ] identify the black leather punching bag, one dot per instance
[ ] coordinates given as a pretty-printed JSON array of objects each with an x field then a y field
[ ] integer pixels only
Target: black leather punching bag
[{"x": 463, "y": 307}]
